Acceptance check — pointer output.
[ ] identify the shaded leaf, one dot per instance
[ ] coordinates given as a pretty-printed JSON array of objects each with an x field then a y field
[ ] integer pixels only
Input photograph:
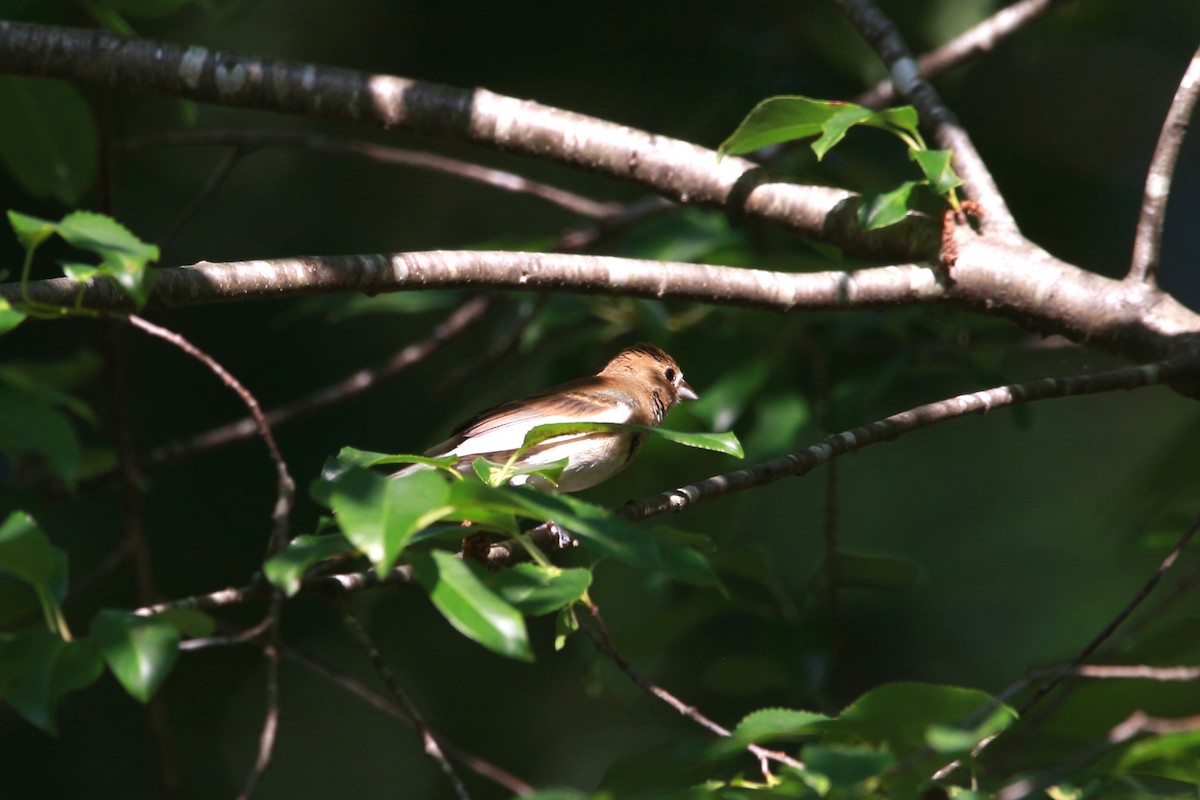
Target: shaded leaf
[
  {"x": 48, "y": 140},
  {"x": 37, "y": 668},
  {"x": 535, "y": 590},
  {"x": 845, "y": 766},
  {"x": 469, "y": 605},
  {"x": 29, "y": 424},
  {"x": 287, "y": 568},
  {"x": 899, "y": 714},
  {"x": 867, "y": 572},
  {"x": 27, "y": 555}
]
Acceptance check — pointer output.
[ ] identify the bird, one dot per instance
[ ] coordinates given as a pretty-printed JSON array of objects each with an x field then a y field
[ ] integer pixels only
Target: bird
[{"x": 638, "y": 386}]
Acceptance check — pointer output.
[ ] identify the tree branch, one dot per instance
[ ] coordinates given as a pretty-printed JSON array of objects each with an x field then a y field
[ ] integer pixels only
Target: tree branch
[
  {"x": 882, "y": 34},
  {"x": 891, "y": 428},
  {"x": 1153, "y": 215},
  {"x": 979, "y": 39},
  {"x": 245, "y": 142},
  {"x": 679, "y": 170},
  {"x": 1020, "y": 282}
]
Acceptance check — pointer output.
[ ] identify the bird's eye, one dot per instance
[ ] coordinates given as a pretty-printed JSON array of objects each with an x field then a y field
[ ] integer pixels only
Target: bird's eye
[{"x": 670, "y": 374}]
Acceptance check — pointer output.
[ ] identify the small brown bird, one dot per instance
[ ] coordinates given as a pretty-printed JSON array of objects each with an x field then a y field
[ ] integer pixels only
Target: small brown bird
[{"x": 638, "y": 386}]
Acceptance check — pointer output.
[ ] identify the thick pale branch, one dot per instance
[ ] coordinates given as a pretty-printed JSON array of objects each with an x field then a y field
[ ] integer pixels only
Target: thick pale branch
[
  {"x": 676, "y": 169},
  {"x": 1020, "y": 282},
  {"x": 1148, "y": 242}
]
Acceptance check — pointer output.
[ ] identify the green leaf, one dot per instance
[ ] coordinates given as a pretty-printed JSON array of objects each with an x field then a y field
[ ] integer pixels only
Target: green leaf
[
  {"x": 899, "y": 714},
  {"x": 379, "y": 514},
  {"x": 124, "y": 257},
  {"x": 833, "y": 130},
  {"x": 9, "y": 317},
  {"x": 27, "y": 555},
  {"x": 845, "y": 766},
  {"x": 1174, "y": 756},
  {"x": 726, "y": 443},
  {"x": 609, "y": 535},
  {"x": 139, "y": 651},
  {"x": 463, "y": 598},
  {"x": 287, "y": 568},
  {"x": 37, "y": 668},
  {"x": 776, "y": 120},
  {"x": 29, "y": 424},
  {"x": 79, "y": 273},
  {"x": 494, "y": 474},
  {"x": 565, "y": 624},
  {"x": 938, "y": 171},
  {"x": 867, "y": 572},
  {"x": 535, "y": 590},
  {"x": 48, "y": 141},
  {"x": 902, "y": 117},
  {"x": 790, "y": 117},
  {"x": 888, "y": 208},
  {"x": 30, "y": 231},
  {"x": 772, "y": 724}
]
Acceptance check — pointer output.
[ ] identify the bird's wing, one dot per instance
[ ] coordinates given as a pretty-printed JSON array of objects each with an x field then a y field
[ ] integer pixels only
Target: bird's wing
[{"x": 503, "y": 428}]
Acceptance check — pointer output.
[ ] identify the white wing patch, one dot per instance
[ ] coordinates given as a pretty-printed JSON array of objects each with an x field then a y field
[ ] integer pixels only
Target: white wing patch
[{"x": 511, "y": 436}]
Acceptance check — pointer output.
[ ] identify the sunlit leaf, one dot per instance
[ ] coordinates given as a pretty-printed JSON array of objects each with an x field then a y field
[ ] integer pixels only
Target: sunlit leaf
[
  {"x": 124, "y": 257},
  {"x": 936, "y": 164},
  {"x": 379, "y": 514},
  {"x": 726, "y": 442},
  {"x": 888, "y": 208},
  {"x": 9, "y": 317},
  {"x": 469, "y": 605}
]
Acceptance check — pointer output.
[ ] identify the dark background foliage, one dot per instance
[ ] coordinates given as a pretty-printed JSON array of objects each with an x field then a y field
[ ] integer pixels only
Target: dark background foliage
[{"x": 1025, "y": 526}]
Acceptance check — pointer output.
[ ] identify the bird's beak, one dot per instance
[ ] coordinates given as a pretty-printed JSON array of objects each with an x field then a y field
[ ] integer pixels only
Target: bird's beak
[{"x": 687, "y": 392}]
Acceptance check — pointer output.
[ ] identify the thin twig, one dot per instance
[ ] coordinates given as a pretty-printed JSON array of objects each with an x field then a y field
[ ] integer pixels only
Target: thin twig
[
  {"x": 350, "y": 386},
  {"x": 279, "y": 538},
  {"x": 286, "y": 486},
  {"x": 882, "y": 34},
  {"x": 246, "y": 142},
  {"x": 1076, "y": 668},
  {"x": 1108, "y": 630},
  {"x": 428, "y": 738},
  {"x": 1136, "y": 723},
  {"x": 603, "y": 642},
  {"x": 266, "y": 737},
  {"x": 978, "y": 39},
  {"x": 479, "y": 766},
  {"x": 135, "y": 543},
  {"x": 893, "y": 427},
  {"x": 1148, "y": 241}
]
